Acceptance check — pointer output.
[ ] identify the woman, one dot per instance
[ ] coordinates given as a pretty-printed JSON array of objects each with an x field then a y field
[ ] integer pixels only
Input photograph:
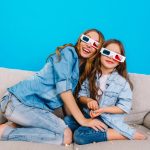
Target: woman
[{"x": 31, "y": 102}]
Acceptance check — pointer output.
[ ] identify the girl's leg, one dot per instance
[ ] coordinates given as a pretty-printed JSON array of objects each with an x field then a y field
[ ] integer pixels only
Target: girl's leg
[
  {"x": 114, "y": 135},
  {"x": 139, "y": 136},
  {"x": 71, "y": 122},
  {"x": 86, "y": 135}
]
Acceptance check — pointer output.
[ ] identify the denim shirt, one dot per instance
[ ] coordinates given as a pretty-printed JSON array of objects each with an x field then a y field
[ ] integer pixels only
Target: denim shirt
[
  {"x": 43, "y": 89},
  {"x": 118, "y": 93}
]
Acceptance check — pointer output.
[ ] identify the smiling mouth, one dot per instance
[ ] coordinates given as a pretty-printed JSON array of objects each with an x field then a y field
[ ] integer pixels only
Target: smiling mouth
[
  {"x": 86, "y": 50},
  {"x": 110, "y": 62}
]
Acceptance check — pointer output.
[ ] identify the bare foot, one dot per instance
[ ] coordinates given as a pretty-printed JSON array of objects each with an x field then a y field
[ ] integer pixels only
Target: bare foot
[
  {"x": 139, "y": 136},
  {"x": 67, "y": 136},
  {"x": 2, "y": 128}
]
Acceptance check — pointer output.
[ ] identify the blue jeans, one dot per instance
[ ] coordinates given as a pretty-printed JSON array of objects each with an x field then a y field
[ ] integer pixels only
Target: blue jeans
[
  {"x": 84, "y": 135},
  {"x": 37, "y": 125}
]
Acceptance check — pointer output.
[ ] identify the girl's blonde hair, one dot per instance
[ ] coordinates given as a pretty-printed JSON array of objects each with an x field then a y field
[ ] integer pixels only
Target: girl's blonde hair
[{"x": 121, "y": 68}]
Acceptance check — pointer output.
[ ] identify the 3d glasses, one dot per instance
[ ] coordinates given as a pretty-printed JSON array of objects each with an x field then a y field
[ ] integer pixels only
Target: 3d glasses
[
  {"x": 111, "y": 54},
  {"x": 87, "y": 39}
]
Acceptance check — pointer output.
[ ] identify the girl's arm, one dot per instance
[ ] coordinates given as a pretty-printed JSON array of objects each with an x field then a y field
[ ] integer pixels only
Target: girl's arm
[
  {"x": 71, "y": 104},
  {"x": 112, "y": 110},
  {"x": 91, "y": 103}
]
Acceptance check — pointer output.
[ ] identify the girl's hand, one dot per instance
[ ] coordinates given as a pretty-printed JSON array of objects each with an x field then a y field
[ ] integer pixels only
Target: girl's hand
[
  {"x": 96, "y": 113},
  {"x": 96, "y": 124},
  {"x": 93, "y": 104}
]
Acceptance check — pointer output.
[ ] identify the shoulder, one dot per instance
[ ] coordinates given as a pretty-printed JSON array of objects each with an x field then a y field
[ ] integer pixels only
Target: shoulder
[
  {"x": 66, "y": 53},
  {"x": 119, "y": 79},
  {"x": 69, "y": 51}
]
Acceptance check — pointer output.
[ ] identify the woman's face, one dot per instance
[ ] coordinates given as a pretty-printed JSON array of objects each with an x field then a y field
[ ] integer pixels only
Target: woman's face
[
  {"x": 107, "y": 62},
  {"x": 86, "y": 50}
]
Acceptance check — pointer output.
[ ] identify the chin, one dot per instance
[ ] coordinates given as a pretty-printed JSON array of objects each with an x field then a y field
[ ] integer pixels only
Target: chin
[{"x": 85, "y": 56}]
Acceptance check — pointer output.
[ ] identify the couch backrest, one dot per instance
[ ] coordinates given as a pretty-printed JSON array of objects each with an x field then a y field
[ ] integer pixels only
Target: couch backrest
[
  {"x": 141, "y": 92},
  {"x": 9, "y": 77}
]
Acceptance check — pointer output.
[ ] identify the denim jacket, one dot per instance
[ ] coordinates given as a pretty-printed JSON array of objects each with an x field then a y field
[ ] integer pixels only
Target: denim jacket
[
  {"x": 42, "y": 90},
  {"x": 118, "y": 93}
]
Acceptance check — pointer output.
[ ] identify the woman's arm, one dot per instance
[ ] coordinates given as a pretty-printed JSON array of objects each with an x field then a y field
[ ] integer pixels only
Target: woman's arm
[{"x": 71, "y": 104}]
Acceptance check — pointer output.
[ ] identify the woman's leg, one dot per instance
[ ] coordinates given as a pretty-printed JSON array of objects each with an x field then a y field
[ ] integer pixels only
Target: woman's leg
[
  {"x": 28, "y": 116},
  {"x": 35, "y": 118},
  {"x": 38, "y": 135}
]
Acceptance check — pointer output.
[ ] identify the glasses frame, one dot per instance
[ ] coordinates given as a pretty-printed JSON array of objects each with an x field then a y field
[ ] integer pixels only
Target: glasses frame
[
  {"x": 90, "y": 40},
  {"x": 113, "y": 55}
]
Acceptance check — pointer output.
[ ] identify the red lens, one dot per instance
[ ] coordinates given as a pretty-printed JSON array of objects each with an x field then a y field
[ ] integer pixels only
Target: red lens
[
  {"x": 117, "y": 57},
  {"x": 94, "y": 44}
]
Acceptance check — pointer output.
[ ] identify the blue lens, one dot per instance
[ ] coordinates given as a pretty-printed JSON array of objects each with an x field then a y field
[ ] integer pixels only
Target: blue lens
[
  {"x": 106, "y": 52},
  {"x": 86, "y": 39}
]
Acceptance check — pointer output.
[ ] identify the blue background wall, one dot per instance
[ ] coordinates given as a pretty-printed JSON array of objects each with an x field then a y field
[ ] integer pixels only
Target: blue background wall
[{"x": 31, "y": 29}]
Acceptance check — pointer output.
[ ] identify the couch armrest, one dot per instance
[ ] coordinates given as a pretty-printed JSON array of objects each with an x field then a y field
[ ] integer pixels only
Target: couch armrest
[{"x": 146, "y": 121}]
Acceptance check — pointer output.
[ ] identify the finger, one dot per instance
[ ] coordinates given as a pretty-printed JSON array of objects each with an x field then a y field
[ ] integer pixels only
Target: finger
[
  {"x": 94, "y": 106},
  {"x": 100, "y": 128},
  {"x": 92, "y": 114},
  {"x": 89, "y": 106},
  {"x": 94, "y": 128},
  {"x": 103, "y": 126}
]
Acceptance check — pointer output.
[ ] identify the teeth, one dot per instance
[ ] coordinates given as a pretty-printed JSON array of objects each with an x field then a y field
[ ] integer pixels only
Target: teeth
[{"x": 86, "y": 50}]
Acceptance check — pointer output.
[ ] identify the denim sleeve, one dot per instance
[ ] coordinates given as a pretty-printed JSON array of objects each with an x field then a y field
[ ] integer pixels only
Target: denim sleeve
[
  {"x": 84, "y": 91},
  {"x": 125, "y": 98},
  {"x": 63, "y": 69}
]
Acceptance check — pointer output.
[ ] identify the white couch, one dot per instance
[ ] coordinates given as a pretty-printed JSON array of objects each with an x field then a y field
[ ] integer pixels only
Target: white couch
[{"x": 139, "y": 116}]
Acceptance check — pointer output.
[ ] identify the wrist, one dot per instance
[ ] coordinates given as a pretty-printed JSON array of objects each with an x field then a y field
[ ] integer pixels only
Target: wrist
[
  {"x": 84, "y": 122},
  {"x": 102, "y": 110}
]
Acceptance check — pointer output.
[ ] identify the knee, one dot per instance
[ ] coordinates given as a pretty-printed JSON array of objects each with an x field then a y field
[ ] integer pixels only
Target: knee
[
  {"x": 79, "y": 137},
  {"x": 68, "y": 119}
]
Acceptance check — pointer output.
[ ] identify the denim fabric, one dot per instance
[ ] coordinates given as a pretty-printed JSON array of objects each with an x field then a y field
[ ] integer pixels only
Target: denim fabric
[
  {"x": 84, "y": 135},
  {"x": 39, "y": 125},
  {"x": 117, "y": 93},
  {"x": 42, "y": 89}
]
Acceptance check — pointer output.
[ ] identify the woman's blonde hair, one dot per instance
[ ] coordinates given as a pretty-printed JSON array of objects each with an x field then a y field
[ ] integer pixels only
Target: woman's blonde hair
[
  {"x": 88, "y": 66},
  {"x": 87, "y": 70}
]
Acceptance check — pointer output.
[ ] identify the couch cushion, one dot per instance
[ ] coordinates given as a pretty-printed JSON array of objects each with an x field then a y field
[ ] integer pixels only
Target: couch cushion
[
  {"x": 141, "y": 98},
  {"x": 9, "y": 77},
  {"x": 16, "y": 145}
]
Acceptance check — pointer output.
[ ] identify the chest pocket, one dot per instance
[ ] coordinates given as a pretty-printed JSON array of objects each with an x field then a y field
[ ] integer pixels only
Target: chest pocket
[{"x": 110, "y": 98}]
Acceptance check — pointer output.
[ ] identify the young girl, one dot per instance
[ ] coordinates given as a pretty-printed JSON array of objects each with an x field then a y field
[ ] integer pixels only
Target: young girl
[
  {"x": 31, "y": 102},
  {"x": 109, "y": 100}
]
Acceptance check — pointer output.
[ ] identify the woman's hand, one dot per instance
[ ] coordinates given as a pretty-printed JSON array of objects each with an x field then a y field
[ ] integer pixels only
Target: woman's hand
[
  {"x": 96, "y": 113},
  {"x": 96, "y": 124},
  {"x": 92, "y": 104}
]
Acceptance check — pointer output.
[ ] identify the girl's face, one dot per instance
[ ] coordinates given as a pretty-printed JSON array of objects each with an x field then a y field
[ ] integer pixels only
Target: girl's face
[
  {"x": 110, "y": 63},
  {"x": 85, "y": 49}
]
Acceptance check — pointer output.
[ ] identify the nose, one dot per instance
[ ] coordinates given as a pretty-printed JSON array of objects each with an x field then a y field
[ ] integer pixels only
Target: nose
[{"x": 89, "y": 45}]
